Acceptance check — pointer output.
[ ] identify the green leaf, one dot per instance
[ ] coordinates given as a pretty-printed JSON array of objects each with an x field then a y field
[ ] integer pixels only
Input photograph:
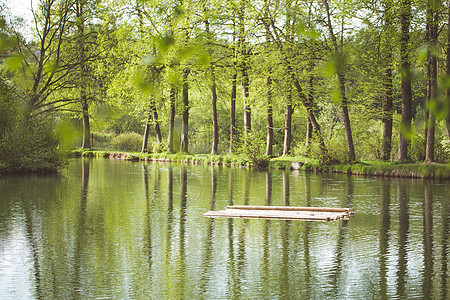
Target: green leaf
[{"x": 14, "y": 62}]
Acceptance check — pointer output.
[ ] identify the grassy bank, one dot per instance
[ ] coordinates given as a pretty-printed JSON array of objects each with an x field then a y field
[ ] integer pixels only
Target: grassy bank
[{"x": 371, "y": 168}]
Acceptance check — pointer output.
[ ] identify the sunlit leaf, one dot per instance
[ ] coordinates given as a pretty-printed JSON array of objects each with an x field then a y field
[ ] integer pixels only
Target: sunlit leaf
[
  {"x": 422, "y": 54},
  {"x": 203, "y": 59},
  {"x": 407, "y": 132},
  {"x": 14, "y": 62}
]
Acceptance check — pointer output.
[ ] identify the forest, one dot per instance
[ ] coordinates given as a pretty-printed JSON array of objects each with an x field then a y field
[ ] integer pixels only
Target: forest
[{"x": 334, "y": 80}]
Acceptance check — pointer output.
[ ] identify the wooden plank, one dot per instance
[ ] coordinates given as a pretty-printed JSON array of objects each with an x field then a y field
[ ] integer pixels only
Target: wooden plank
[
  {"x": 290, "y": 208},
  {"x": 281, "y": 214}
]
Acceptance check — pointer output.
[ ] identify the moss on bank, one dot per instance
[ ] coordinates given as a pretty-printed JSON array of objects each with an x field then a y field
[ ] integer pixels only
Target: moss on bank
[{"x": 371, "y": 168}]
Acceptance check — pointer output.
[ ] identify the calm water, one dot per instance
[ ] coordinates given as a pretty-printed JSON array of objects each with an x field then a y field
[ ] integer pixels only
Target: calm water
[{"x": 114, "y": 229}]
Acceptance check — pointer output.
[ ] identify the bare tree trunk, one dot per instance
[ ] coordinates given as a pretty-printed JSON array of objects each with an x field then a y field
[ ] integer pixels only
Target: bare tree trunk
[
  {"x": 86, "y": 127},
  {"x": 82, "y": 75},
  {"x": 309, "y": 99},
  {"x": 309, "y": 131},
  {"x": 171, "y": 120},
  {"x": 215, "y": 139},
  {"x": 288, "y": 124},
  {"x": 387, "y": 82},
  {"x": 153, "y": 114},
  {"x": 447, "y": 72},
  {"x": 184, "y": 146},
  {"x": 156, "y": 120},
  {"x": 269, "y": 142},
  {"x": 405, "y": 19},
  {"x": 432, "y": 20},
  {"x": 244, "y": 75},
  {"x": 215, "y": 142},
  {"x": 247, "y": 107},
  {"x": 341, "y": 78},
  {"x": 146, "y": 134},
  {"x": 233, "y": 111}
]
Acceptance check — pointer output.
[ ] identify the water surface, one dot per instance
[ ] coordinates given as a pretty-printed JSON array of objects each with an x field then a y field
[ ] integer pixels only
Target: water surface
[{"x": 115, "y": 229}]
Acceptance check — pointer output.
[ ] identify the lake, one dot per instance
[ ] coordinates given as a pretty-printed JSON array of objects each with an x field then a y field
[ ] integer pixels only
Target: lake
[{"x": 115, "y": 229}]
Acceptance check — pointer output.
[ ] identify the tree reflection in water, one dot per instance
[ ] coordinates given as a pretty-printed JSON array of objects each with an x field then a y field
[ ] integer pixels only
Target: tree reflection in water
[{"x": 126, "y": 235}]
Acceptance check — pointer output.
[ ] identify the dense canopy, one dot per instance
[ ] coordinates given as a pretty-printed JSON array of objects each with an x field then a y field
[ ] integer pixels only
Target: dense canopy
[{"x": 337, "y": 80}]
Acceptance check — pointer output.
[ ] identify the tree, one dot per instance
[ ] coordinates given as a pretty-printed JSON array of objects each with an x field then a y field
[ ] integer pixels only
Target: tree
[
  {"x": 212, "y": 79},
  {"x": 44, "y": 60},
  {"x": 387, "y": 106},
  {"x": 432, "y": 36},
  {"x": 405, "y": 66},
  {"x": 233, "y": 85},
  {"x": 80, "y": 10},
  {"x": 447, "y": 72},
  {"x": 269, "y": 140},
  {"x": 341, "y": 78},
  {"x": 170, "y": 135},
  {"x": 285, "y": 49},
  {"x": 244, "y": 69}
]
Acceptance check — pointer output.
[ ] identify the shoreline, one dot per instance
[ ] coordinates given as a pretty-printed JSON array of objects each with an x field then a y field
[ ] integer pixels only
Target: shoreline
[{"x": 364, "y": 168}]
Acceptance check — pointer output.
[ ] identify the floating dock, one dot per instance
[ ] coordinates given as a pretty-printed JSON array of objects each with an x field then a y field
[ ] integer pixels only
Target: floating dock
[{"x": 282, "y": 213}]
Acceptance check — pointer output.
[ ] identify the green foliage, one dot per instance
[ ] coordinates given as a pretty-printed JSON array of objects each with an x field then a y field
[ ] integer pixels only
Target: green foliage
[
  {"x": 27, "y": 143},
  {"x": 31, "y": 145},
  {"x": 102, "y": 140},
  {"x": 441, "y": 148},
  {"x": 159, "y": 147},
  {"x": 253, "y": 148},
  {"x": 128, "y": 141},
  {"x": 138, "y": 52}
]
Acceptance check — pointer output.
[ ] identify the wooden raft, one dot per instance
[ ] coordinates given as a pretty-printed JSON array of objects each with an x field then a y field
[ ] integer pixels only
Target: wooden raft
[{"x": 282, "y": 213}]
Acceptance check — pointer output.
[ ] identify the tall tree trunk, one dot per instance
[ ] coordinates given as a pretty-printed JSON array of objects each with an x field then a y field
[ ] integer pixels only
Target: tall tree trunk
[
  {"x": 244, "y": 74},
  {"x": 146, "y": 133},
  {"x": 86, "y": 126},
  {"x": 233, "y": 111},
  {"x": 432, "y": 20},
  {"x": 156, "y": 120},
  {"x": 153, "y": 114},
  {"x": 82, "y": 76},
  {"x": 405, "y": 19},
  {"x": 387, "y": 82},
  {"x": 247, "y": 107},
  {"x": 171, "y": 120},
  {"x": 184, "y": 146},
  {"x": 447, "y": 72},
  {"x": 309, "y": 131},
  {"x": 233, "y": 90},
  {"x": 269, "y": 141},
  {"x": 309, "y": 99},
  {"x": 288, "y": 124},
  {"x": 341, "y": 79},
  {"x": 215, "y": 142},
  {"x": 215, "y": 139}
]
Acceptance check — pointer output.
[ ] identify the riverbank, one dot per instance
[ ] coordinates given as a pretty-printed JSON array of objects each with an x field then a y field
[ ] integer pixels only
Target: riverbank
[{"x": 370, "y": 168}]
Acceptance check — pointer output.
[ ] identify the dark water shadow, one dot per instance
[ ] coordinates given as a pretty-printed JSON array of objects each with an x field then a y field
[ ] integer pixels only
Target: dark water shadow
[
  {"x": 209, "y": 238},
  {"x": 403, "y": 230},
  {"x": 427, "y": 283},
  {"x": 385, "y": 223}
]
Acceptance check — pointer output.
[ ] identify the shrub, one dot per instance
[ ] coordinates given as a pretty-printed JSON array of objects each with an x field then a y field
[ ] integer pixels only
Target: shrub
[
  {"x": 27, "y": 143},
  {"x": 159, "y": 147},
  {"x": 253, "y": 148},
  {"x": 102, "y": 140},
  {"x": 128, "y": 141},
  {"x": 31, "y": 146}
]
